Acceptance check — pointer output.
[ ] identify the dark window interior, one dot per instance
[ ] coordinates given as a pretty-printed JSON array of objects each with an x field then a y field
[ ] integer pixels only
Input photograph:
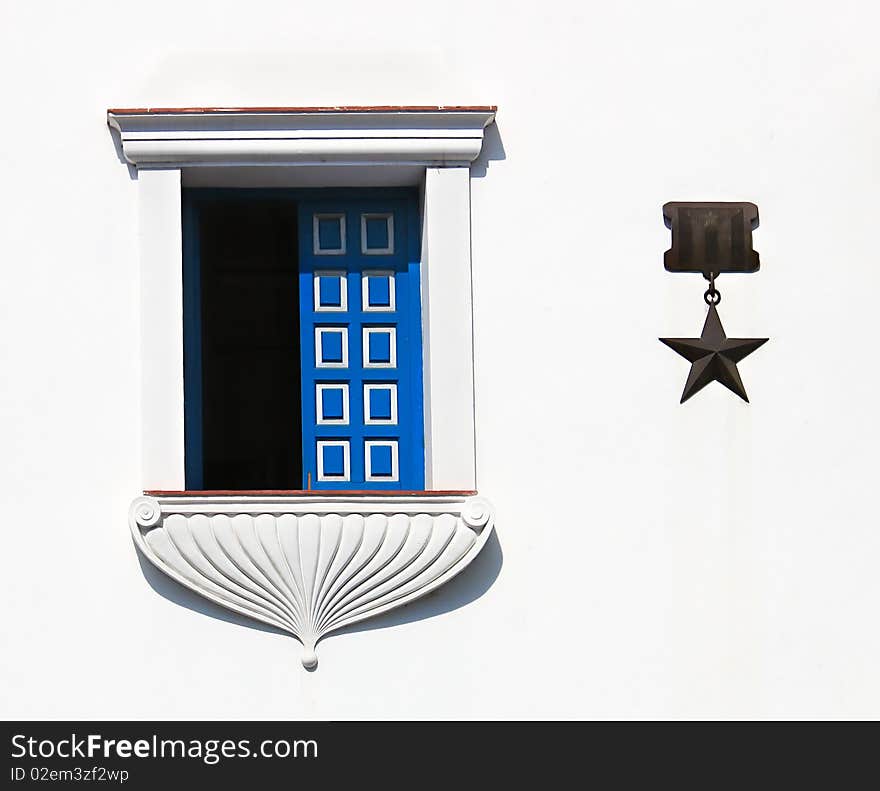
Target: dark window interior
[{"x": 251, "y": 430}]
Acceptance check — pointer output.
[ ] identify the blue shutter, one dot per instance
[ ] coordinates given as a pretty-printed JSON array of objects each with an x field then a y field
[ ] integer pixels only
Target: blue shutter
[{"x": 361, "y": 341}]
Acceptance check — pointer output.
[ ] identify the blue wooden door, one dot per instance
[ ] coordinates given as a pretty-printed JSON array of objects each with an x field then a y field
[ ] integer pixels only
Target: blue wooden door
[{"x": 361, "y": 341}]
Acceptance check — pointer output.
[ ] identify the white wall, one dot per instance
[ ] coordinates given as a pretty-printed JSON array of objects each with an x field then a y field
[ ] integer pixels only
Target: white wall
[{"x": 713, "y": 559}]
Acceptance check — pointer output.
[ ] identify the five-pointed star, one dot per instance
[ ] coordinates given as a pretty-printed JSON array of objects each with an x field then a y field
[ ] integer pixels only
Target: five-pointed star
[{"x": 713, "y": 357}]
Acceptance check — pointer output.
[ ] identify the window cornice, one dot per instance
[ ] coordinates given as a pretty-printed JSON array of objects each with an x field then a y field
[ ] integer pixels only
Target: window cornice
[{"x": 184, "y": 137}]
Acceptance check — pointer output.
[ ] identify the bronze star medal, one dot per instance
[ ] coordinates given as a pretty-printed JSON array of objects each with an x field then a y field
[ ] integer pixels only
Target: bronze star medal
[{"x": 713, "y": 357}]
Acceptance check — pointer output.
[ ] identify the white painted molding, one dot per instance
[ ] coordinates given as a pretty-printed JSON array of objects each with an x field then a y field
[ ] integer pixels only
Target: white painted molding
[
  {"x": 311, "y": 565},
  {"x": 447, "y": 322},
  {"x": 186, "y": 138},
  {"x": 161, "y": 275}
]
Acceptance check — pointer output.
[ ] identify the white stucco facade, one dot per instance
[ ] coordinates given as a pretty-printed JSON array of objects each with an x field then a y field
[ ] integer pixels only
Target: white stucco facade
[{"x": 715, "y": 559}]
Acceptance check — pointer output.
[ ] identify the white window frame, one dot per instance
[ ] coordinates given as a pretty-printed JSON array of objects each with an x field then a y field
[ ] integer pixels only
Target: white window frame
[
  {"x": 389, "y": 224},
  {"x": 366, "y": 274},
  {"x": 391, "y": 332},
  {"x": 439, "y": 144},
  {"x": 343, "y": 290},
  {"x": 321, "y": 420},
  {"x": 319, "y": 345},
  {"x": 345, "y": 444},
  {"x": 316, "y": 236},
  {"x": 368, "y": 388},
  {"x": 395, "y": 469}
]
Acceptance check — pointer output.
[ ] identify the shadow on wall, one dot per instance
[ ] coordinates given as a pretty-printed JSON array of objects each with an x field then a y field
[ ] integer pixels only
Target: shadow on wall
[
  {"x": 492, "y": 151},
  {"x": 468, "y": 586}
]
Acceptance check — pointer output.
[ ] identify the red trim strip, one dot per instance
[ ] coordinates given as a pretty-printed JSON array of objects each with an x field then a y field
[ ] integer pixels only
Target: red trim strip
[
  {"x": 303, "y": 492},
  {"x": 488, "y": 108}
]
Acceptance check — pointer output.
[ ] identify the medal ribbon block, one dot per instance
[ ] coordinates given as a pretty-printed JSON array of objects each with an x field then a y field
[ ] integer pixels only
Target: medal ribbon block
[{"x": 712, "y": 238}]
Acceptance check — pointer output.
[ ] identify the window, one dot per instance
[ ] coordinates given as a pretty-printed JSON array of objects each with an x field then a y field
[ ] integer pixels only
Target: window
[
  {"x": 293, "y": 152},
  {"x": 326, "y": 340},
  {"x": 302, "y": 341}
]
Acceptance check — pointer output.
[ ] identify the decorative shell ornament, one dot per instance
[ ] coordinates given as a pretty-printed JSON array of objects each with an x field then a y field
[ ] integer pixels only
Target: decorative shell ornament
[{"x": 306, "y": 565}]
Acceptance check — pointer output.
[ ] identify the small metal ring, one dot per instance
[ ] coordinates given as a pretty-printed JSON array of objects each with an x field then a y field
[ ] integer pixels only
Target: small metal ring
[{"x": 712, "y": 296}]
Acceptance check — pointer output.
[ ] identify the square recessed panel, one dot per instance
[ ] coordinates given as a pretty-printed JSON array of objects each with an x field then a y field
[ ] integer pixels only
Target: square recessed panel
[
  {"x": 328, "y": 232},
  {"x": 331, "y": 401},
  {"x": 380, "y": 347},
  {"x": 380, "y": 404},
  {"x": 330, "y": 291},
  {"x": 380, "y": 460},
  {"x": 377, "y": 234},
  {"x": 333, "y": 460},
  {"x": 378, "y": 291},
  {"x": 331, "y": 347}
]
